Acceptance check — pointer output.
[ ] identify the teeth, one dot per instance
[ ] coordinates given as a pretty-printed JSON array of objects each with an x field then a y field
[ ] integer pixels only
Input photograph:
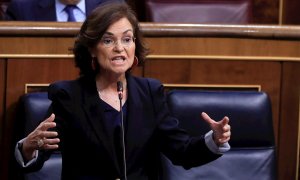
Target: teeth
[{"x": 118, "y": 58}]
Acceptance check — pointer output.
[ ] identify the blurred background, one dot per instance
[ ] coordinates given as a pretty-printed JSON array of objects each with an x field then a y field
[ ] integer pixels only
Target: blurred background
[{"x": 279, "y": 12}]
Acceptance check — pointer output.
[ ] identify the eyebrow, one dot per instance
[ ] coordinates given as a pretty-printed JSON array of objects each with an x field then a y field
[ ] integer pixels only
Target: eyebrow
[{"x": 111, "y": 34}]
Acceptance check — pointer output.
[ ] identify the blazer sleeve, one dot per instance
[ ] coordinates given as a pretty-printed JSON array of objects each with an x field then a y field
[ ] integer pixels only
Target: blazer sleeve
[
  {"x": 175, "y": 142},
  {"x": 61, "y": 106}
]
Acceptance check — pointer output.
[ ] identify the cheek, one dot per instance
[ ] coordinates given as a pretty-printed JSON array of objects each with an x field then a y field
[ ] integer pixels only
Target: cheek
[
  {"x": 132, "y": 51},
  {"x": 131, "y": 55},
  {"x": 102, "y": 54}
]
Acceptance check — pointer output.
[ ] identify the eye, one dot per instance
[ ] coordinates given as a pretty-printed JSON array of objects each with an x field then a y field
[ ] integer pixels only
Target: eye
[
  {"x": 107, "y": 41},
  {"x": 127, "y": 40}
]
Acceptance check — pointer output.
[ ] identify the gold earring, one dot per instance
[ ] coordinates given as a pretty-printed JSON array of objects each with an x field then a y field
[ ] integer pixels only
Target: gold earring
[{"x": 135, "y": 62}]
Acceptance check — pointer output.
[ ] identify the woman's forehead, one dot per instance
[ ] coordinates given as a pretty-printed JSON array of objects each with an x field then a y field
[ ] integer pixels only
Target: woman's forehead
[{"x": 120, "y": 27}]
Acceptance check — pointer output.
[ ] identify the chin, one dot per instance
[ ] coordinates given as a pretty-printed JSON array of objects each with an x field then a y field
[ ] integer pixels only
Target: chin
[{"x": 120, "y": 72}]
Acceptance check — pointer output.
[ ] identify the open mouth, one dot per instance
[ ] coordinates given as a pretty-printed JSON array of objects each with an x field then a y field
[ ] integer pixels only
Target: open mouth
[{"x": 119, "y": 58}]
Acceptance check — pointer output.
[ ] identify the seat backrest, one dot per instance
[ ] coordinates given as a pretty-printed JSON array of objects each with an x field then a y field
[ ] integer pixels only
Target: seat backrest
[
  {"x": 252, "y": 154},
  {"x": 199, "y": 11},
  {"x": 33, "y": 109}
]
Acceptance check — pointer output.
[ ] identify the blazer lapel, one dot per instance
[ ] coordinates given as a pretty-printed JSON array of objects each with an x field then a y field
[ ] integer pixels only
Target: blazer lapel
[
  {"x": 45, "y": 10},
  {"x": 140, "y": 124},
  {"x": 91, "y": 106}
]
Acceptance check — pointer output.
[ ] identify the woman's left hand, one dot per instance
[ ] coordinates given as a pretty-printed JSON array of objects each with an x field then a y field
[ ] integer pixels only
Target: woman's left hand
[{"x": 221, "y": 129}]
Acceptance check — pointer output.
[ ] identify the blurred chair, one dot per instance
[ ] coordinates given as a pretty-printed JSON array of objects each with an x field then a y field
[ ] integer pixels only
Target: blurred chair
[
  {"x": 199, "y": 11},
  {"x": 32, "y": 110},
  {"x": 252, "y": 154}
]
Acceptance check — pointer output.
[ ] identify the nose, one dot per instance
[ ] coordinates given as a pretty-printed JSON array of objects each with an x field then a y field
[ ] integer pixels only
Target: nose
[{"x": 118, "y": 46}]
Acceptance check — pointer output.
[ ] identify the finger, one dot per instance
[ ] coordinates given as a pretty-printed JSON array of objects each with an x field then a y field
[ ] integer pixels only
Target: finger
[
  {"x": 49, "y": 134},
  {"x": 207, "y": 118},
  {"x": 47, "y": 143},
  {"x": 224, "y": 121},
  {"x": 226, "y": 134},
  {"x": 226, "y": 127},
  {"x": 50, "y": 146},
  {"x": 225, "y": 137},
  {"x": 47, "y": 125},
  {"x": 51, "y": 141},
  {"x": 224, "y": 140}
]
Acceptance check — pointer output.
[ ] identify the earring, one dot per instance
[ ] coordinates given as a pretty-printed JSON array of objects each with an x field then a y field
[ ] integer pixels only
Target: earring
[
  {"x": 93, "y": 63},
  {"x": 135, "y": 62}
]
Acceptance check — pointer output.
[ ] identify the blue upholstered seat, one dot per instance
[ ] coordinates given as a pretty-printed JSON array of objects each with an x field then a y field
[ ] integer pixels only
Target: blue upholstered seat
[{"x": 252, "y": 154}]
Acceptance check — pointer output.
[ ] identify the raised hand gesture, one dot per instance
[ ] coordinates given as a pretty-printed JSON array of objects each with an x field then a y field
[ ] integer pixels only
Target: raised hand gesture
[
  {"x": 221, "y": 129},
  {"x": 40, "y": 138}
]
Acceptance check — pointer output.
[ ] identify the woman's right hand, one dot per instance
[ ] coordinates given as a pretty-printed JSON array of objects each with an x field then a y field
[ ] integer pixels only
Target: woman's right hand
[{"x": 40, "y": 138}]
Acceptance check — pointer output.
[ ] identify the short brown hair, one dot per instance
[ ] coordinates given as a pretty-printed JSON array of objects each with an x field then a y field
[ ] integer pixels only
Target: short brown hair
[{"x": 95, "y": 26}]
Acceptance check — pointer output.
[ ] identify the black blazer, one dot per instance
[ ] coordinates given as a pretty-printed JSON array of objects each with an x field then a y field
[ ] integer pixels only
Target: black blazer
[
  {"x": 86, "y": 143},
  {"x": 40, "y": 10}
]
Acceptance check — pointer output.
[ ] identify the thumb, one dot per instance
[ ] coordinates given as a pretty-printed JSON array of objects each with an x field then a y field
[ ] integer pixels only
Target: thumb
[
  {"x": 207, "y": 118},
  {"x": 224, "y": 121}
]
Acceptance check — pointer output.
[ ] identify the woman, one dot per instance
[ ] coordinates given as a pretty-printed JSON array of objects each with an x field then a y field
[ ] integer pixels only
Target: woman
[{"x": 88, "y": 116}]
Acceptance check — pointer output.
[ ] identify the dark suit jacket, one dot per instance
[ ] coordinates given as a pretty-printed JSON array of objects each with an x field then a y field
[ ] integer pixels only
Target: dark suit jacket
[
  {"x": 41, "y": 10},
  {"x": 86, "y": 143}
]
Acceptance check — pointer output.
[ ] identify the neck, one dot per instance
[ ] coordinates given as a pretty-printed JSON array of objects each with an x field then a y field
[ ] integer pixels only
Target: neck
[
  {"x": 109, "y": 83},
  {"x": 107, "y": 89}
]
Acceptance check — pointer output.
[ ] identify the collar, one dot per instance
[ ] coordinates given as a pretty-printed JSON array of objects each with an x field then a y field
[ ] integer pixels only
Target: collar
[{"x": 60, "y": 6}]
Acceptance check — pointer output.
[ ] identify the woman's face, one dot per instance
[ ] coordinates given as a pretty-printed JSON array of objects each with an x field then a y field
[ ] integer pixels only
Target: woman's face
[{"x": 116, "y": 50}]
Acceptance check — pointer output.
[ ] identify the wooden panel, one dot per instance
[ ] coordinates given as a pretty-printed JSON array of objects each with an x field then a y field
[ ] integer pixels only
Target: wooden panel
[
  {"x": 164, "y": 46},
  {"x": 2, "y": 92},
  {"x": 22, "y": 71},
  {"x": 2, "y": 107},
  {"x": 290, "y": 12},
  {"x": 28, "y": 45},
  {"x": 70, "y": 30},
  {"x": 184, "y": 71},
  {"x": 266, "y": 11},
  {"x": 224, "y": 47},
  {"x": 289, "y": 117}
]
